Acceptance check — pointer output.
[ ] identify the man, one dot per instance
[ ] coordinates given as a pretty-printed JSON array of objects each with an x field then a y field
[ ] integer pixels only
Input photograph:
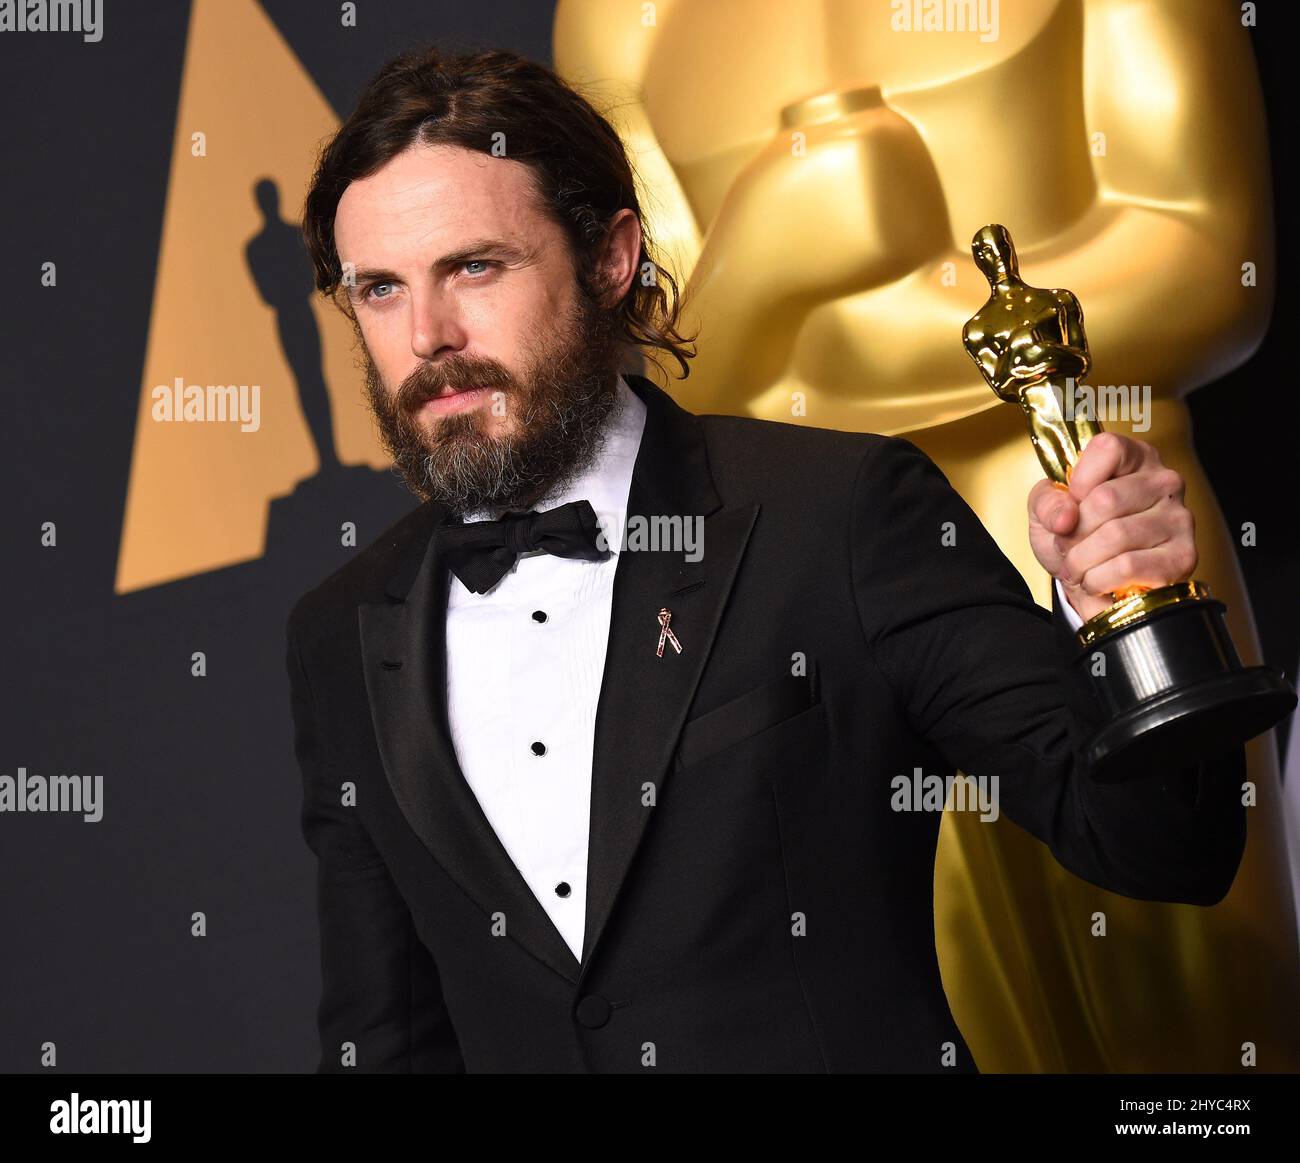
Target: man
[{"x": 615, "y": 786}]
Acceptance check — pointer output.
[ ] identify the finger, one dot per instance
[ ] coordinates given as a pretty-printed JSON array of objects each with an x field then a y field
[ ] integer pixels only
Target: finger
[
  {"x": 1123, "y": 495},
  {"x": 1052, "y": 507},
  {"x": 1086, "y": 604},
  {"x": 1136, "y": 532},
  {"x": 1158, "y": 565},
  {"x": 1107, "y": 455}
]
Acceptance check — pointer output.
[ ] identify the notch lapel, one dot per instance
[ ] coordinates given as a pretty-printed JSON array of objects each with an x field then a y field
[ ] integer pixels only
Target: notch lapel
[
  {"x": 644, "y": 698},
  {"x": 643, "y": 701},
  {"x": 403, "y": 649}
]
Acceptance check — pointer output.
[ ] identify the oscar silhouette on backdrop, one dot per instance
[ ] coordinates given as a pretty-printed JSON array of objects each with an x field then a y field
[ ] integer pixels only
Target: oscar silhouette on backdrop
[
  {"x": 328, "y": 515},
  {"x": 278, "y": 263}
]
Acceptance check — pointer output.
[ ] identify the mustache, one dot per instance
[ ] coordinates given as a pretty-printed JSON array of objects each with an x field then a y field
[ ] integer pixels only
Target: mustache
[{"x": 426, "y": 383}]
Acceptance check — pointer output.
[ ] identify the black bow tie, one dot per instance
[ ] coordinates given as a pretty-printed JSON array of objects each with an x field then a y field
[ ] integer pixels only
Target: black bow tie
[{"x": 481, "y": 553}]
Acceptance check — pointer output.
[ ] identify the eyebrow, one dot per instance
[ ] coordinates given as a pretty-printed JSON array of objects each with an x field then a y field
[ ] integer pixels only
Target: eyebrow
[{"x": 478, "y": 248}]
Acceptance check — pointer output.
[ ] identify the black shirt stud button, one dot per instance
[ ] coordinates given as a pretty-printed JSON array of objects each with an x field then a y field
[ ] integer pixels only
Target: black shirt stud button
[
  {"x": 563, "y": 889},
  {"x": 539, "y": 748},
  {"x": 539, "y": 615}
]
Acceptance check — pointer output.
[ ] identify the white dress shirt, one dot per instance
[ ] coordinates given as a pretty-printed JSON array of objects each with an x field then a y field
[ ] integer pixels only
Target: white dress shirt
[
  {"x": 1075, "y": 619},
  {"x": 525, "y": 662},
  {"x": 524, "y": 668}
]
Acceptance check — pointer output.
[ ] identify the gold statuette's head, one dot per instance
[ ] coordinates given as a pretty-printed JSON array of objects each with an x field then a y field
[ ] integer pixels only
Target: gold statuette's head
[{"x": 995, "y": 254}]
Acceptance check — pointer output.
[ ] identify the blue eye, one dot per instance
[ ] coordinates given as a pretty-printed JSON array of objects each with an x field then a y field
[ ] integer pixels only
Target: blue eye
[{"x": 372, "y": 293}]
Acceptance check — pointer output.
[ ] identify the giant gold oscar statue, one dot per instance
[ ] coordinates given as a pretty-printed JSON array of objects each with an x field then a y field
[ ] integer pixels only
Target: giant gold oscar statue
[{"x": 814, "y": 172}]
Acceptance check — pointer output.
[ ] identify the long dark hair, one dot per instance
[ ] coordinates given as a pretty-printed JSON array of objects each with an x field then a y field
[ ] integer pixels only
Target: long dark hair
[{"x": 580, "y": 168}]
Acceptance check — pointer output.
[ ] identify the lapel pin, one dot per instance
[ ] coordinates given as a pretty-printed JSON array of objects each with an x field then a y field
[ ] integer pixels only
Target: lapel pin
[{"x": 666, "y": 632}]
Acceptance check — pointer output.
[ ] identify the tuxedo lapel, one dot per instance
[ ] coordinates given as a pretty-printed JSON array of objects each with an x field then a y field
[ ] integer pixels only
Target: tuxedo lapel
[
  {"x": 403, "y": 647},
  {"x": 644, "y": 697}
]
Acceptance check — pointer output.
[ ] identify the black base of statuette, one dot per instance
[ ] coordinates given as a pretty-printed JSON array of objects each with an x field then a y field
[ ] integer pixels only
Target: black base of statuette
[{"x": 1172, "y": 690}]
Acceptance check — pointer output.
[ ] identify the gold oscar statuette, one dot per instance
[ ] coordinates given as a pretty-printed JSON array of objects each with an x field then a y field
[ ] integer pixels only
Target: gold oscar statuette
[{"x": 1160, "y": 662}]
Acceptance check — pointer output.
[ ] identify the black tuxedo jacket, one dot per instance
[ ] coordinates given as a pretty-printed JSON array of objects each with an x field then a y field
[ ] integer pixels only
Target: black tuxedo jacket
[{"x": 754, "y": 903}]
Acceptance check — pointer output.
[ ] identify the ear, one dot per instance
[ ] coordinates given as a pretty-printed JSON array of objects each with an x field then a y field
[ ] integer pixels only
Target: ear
[{"x": 619, "y": 255}]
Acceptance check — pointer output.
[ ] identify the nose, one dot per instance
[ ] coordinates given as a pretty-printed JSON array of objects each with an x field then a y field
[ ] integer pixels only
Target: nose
[{"x": 436, "y": 327}]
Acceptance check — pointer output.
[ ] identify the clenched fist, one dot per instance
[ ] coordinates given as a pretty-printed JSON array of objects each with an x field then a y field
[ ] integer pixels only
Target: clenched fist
[{"x": 1121, "y": 523}]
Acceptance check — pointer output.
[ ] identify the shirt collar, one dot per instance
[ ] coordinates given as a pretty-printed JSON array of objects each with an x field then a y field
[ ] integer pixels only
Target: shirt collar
[{"x": 607, "y": 481}]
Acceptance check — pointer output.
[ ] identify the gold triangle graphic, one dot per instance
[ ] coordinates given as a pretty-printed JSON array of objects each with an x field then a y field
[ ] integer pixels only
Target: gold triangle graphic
[{"x": 198, "y": 492}]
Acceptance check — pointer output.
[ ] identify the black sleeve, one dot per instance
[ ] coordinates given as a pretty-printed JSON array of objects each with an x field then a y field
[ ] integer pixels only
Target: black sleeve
[
  {"x": 981, "y": 671},
  {"x": 380, "y": 987}
]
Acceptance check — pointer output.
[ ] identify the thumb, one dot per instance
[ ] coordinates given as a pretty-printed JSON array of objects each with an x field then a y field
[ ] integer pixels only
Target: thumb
[{"x": 1052, "y": 508}]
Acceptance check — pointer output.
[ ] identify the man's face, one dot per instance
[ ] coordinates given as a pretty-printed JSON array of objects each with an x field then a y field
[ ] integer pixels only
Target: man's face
[{"x": 490, "y": 373}]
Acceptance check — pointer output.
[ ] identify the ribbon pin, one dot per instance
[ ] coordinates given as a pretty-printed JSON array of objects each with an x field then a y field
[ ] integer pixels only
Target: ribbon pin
[{"x": 665, "y": 632}]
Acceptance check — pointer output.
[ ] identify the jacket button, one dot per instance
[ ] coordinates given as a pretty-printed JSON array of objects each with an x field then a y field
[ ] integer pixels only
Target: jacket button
[{"x": 593, "y": 1011}]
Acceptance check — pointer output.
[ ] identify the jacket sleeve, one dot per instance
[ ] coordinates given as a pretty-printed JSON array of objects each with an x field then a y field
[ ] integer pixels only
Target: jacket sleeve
[
  {"x": 380, "y": 986},
  {"x": 981, "y": 672}
]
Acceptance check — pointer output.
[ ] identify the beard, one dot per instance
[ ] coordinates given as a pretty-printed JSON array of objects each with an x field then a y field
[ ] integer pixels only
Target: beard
[{"x": 561, "y": 412}]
